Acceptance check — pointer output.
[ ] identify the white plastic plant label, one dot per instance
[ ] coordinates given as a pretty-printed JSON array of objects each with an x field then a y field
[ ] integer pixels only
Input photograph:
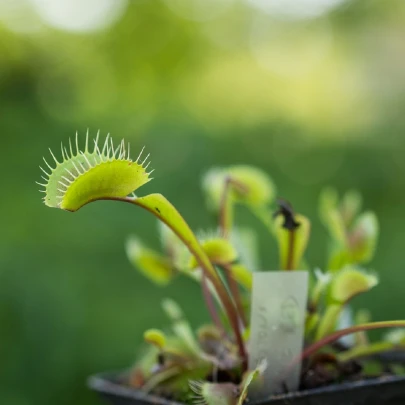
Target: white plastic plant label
[{"x": 279, "y": 300}]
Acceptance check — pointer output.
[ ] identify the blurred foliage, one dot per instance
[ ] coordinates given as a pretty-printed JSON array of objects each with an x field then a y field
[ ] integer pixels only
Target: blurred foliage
[{"x": 313, "y": 101}]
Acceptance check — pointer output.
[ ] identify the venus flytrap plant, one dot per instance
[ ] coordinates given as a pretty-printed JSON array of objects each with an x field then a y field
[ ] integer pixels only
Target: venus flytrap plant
[
  {"x": 210, "y": 366},
  {"x": 109, "y": 174}
]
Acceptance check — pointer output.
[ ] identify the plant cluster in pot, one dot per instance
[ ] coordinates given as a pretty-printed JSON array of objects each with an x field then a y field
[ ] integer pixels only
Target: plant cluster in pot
[{"x": 338, "y": 363}]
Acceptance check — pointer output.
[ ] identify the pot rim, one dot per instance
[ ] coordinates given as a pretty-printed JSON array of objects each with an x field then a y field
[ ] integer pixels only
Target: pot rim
[{"x": 107, "y": 383}]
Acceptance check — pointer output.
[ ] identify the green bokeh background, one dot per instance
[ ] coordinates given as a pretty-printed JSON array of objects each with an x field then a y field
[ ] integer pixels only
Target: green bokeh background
[{"x": 313, "y": 99}]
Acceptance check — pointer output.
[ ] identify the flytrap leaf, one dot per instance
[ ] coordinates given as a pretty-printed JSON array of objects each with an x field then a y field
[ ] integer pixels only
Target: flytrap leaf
[
  {"x": 251, "y": 186},
  {"x": 219, "y": 251},
  {"x": 344, "y": 286},
  {"x": 249, "y": 378},
  {"x": 152, "y": 264},
  {"x": 207, "y": 393},
  {"x": 364, "y": 237},
  {"x": 354, "y": 235},
  {"x": 350, "y": 282},
  {"x": 85, "y": 175},
  {"x": 155, "y": 337}
]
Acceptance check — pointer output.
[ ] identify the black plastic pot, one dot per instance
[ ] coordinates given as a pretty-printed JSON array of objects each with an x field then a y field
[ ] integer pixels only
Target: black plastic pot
[{"x": 380, "y": 391}]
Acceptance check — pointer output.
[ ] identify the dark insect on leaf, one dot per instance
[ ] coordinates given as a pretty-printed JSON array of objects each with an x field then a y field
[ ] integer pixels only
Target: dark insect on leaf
[{"x": 286, "y": 210}]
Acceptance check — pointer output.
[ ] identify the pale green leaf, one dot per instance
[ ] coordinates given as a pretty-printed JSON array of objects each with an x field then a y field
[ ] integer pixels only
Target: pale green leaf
[
  {"x": 218, "y": 250},
  {"x": 155, "y": 337},
  {"x": 152, "y": 264},
  {"x": 349, "y": 283},
  {"x": 363, "y": 238}
]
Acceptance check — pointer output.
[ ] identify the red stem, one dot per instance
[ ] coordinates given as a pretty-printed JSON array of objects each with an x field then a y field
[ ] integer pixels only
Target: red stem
[
  {"x": 224, "y": 220},
  {"x": 211, "y": 305},
  {"x": 337, "y": 335},
  {"x": 233, "y": 286},
  {"x": 233, "y": 317}
]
